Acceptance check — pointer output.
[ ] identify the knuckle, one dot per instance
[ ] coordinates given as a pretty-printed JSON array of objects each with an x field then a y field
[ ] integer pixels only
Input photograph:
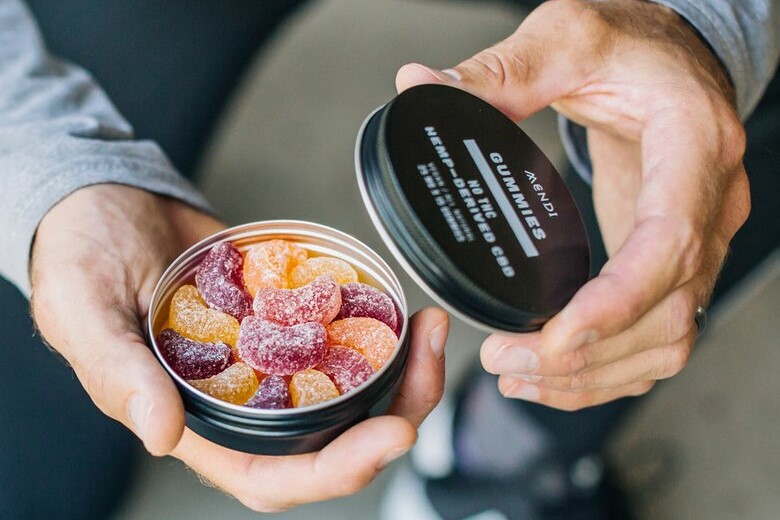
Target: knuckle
[
  {"x": 642, "y": 388},
  {"x": 576, "y": 361},
  {"x": 96, "y": 380},
  {"x": 682, "y": 306},
  {"x": 501, "y": 66},
  {"x": 349, "y": 486},
  {"x": 743, "y": 204},
  {"x": 690, "y": 244},
  {"x": 733, "y": 139},
  {"x": 676, "y": 360}
]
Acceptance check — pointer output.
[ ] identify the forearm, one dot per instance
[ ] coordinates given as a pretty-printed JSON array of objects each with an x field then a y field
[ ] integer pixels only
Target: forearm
[{"x": 58, "y": 133}]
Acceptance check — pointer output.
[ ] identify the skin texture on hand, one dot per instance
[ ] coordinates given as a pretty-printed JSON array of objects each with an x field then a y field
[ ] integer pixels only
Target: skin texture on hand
[
  {"x": 96, "y": 260},
  {"x": 669, "y": 188}
]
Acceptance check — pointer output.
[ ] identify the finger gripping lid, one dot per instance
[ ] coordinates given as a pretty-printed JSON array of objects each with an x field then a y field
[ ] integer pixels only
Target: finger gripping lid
[{"x": 472, "y": 208}]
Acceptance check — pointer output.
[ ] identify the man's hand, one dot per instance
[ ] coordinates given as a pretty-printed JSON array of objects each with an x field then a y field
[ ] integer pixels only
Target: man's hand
[
  {"x": 97, "y": 257},
  {"x": 669, "y": 188}
]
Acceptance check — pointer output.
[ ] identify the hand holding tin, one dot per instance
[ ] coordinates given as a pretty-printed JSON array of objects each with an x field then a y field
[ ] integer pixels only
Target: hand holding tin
[
  {"x": 350, "y": 462},
  {"x": 669, "y": 188},
  {"x": 96, "y": 260}
]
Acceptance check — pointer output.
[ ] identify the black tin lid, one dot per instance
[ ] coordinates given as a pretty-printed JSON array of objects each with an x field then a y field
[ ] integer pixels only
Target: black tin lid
[{"x": 472, "y": 208}]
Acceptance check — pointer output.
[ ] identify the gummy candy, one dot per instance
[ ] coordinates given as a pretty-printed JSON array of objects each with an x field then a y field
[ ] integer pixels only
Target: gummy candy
[
  {"x": 268, "y": 264},
  {"x": 190, "y": 317},
  {"x": 273, "y": 394},
  {"x": 279, "y": 350},
  {"x": 221, "y": 283},
  {"x": 346, "y": 368},
  {"x": 359, "y": 300},
  {"x": 372, "y": 338},
  {"x": 192, "y": 359},
  {"x": 311, "y": 387},
  {"x": 307, "y": 271},
  {"x": 318, "y": 301},
  {"x": 236, "y": 384}
]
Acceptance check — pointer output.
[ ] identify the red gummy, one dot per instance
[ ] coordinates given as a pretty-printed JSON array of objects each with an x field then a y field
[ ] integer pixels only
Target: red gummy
[
  {"x": 273, "y": 394},
  {"x": 318, "y": 301},
  {"x": 359, "y": 300},
  {"x": 346, "y": 368},
  {"x": 221, "y": 283},
  {"x": 193, "y": 359},
  {"x": 279, "y": 350}
]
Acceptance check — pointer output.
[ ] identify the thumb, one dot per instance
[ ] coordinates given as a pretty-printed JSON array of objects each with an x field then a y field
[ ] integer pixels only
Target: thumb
[
  {"x": 519, "y": 75},
  {"x": 101, "y": 341}
]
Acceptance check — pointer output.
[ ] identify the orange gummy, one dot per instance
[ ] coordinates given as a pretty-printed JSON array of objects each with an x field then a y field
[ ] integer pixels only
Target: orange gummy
[
  {"x": 313, "y": 268},
  {"x": 236, "y": 384},
  {"x": 372, "y": 338},
  {"x": 190, "y": 317},
  {"x": 310, "y": 387},
  {"x": 268, "y": 264}
]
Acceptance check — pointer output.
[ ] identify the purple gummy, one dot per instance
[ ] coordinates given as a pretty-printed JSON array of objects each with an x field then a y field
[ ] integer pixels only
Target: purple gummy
[
  {"x": 273, "y": 394},
  {"x": 346, "y": 367},
  {"x": 192, "y": 359},
  {"x": 278, "y": 350},
  {"x": 318, "y": 301},
  {"x": 221, "y": 283},
  {"x": 359, "y": 300}
]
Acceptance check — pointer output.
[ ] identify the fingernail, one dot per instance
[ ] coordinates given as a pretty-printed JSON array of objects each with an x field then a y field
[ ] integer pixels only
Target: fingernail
[
  {"x": 436, "y": 340},
  {"x": 392, "y": 455},
  {"x": 138, "y": 408},
  {"x": 513, "y": 359},
  {"x": 452, "y": 73},
  {"x": 526, "y": 393}
]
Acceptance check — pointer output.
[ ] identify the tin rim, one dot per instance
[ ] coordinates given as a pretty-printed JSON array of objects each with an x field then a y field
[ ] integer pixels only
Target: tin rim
[
  {"x": 188, "y": 260},
  {"x": 391, "y": 244}
]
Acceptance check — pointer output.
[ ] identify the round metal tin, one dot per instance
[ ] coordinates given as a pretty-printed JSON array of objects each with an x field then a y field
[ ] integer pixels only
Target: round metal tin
[
  {"x": 471, "y": 208},
  {"x": 286, "y": 431}
]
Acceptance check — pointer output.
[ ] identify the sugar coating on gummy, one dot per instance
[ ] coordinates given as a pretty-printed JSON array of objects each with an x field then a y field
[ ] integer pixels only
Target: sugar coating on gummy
[
  {"x": 193, "y": 359},
  {"x": 359, "y": 300},
  {"x": 236, "y": 384},
  {"x": 268, "y": 264},
  {"x": 190, "y": 317},
  {"x": 279, "y": 350},
  {"x": 312, "y": 268},
  {"x": 311, "y": 387},
  {"x": 318, "y": 301},
  {"x": 346, "y": 367},
  {"x": 372, "y": 338},
  {"x": 273, "y": 394},
  {"x": 221, "y": 283}
]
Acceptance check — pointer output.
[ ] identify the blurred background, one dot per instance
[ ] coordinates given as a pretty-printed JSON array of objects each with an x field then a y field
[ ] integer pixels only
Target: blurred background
[{"x": 704, "y": 445}]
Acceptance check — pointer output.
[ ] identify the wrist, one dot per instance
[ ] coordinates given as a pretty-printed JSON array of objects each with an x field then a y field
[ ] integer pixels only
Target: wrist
[{"x": 664, "y": 27}]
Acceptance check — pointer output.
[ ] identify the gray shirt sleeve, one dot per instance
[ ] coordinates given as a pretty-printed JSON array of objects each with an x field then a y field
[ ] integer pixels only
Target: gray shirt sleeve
[
  {"x": 745, "y": 35},
  {"x": 58, "y": 133}
]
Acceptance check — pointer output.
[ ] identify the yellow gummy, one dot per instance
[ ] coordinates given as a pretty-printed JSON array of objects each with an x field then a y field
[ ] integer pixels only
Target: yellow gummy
[
  {"x": 372, "y": 338},
  {"x": 310, "y": 387},
  {"x": 313, "y": 268},
  {"x": 236, "y": 384},
  {"x": 190, "y": 317},
  {"x": 268, "y": 264}
]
